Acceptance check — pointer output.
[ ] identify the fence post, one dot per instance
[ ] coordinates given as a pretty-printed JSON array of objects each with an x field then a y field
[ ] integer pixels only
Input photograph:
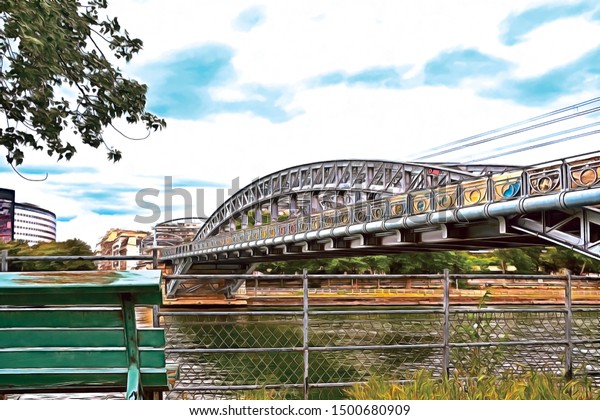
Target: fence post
[
  {"x": 4, "y": 263},
  {"x": 154, "y": 258},
  {"x": 155, "y": 308},
  {"x": 155, "y": 317},
  {"x": 446, "y": 349},
  {"x": 568, "y": 328},
  {"x": 305, "y": 330}
]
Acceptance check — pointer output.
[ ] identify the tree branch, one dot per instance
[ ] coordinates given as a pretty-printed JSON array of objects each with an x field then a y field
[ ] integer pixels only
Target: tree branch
[{"x": 24, "y": 177}]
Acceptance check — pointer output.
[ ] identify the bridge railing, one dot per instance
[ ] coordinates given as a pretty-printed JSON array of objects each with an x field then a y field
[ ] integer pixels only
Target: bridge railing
[
  {"x": 568, "y": 175},
  {"x": 306, "y": 349}
]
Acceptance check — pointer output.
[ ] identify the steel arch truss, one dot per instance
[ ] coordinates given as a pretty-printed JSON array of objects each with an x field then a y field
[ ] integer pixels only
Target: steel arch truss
[{"x": 331, "y": 185}]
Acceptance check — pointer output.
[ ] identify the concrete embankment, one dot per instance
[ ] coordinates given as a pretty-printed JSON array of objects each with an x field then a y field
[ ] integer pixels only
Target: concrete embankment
[{"x": 402, "y": 297}]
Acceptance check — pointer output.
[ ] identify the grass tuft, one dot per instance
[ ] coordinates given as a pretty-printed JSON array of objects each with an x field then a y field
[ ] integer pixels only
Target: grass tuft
[{"x": 528, "y": 386}]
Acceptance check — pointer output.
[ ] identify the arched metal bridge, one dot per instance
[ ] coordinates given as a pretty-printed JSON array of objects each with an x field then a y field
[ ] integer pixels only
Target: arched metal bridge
[{"x": 354, "y": 207}]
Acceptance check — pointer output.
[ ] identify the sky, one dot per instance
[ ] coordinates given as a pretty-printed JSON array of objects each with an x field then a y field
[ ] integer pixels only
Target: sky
[{"x": 251, "y": 87}]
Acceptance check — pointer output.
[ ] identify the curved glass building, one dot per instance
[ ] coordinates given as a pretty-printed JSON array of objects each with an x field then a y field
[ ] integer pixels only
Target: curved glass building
[
  {"x": 34, "y": 224},
  {"x": 25, "y": 221}
]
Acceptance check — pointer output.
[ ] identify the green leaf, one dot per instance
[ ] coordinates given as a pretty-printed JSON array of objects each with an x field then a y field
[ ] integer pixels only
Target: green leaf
[{"x": 65, "y": 45}]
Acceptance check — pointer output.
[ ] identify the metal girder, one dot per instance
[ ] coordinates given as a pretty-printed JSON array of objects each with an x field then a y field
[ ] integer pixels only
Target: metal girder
[
  {"x": 577, "y": 229},
  {"x": 487, "y": 233},
  {"x": 376, "y": 177},
  {"x": 182, "y": 288},
  {"x": 181, "y": 266}
]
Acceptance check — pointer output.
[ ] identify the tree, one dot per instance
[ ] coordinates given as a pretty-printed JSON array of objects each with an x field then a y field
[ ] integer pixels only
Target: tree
[
  {"x": 523, "y": 261},
  {"x": 526, "y": 260},
  {"x": 14, "y": 248},
  {"x": 71, "y": 247},
  {"x": 428, "y": 262},
  {"x": 57, "y": 76},
  {"x": 556, "y": 259},
  {"x": 294, "y": 267}
]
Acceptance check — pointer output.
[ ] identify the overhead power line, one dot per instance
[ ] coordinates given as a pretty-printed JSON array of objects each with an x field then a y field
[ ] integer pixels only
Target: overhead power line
[
  {"x": 510, "y": 149},
  {"x": 548, "y": 143},
  {"x": 481, "y": 138}
]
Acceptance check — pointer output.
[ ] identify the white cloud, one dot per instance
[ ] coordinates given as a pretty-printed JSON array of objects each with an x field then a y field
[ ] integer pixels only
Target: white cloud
[
  {"x": 232, "y": 94},
  {"x": 552, "y": 45},
  {"x": 296, "y": 42}
]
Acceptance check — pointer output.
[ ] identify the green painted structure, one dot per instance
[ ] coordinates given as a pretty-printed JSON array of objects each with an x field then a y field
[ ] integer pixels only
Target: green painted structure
[{"x": 76, "y": 332}]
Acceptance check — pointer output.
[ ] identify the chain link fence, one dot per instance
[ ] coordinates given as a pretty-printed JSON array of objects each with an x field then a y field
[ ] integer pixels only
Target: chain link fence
[{"x": 316, "y": 352}]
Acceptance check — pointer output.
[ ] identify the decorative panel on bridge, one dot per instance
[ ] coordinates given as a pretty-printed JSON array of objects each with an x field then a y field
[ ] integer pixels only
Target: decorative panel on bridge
[
  {"x": 545, "y": 180},
  {"x": 474, "y": 192},
  {"x": 445, "y": 198},
  {"x": 585, "y": 174},
  {"x": 421, "y": 202},
  {"x": 507, "y": 186}
]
